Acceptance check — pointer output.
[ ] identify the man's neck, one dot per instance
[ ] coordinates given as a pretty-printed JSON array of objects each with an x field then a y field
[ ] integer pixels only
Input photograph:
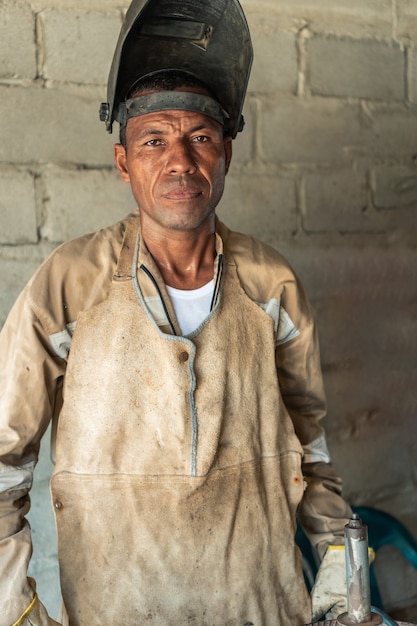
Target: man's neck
[{"x": 185, "y": 259}]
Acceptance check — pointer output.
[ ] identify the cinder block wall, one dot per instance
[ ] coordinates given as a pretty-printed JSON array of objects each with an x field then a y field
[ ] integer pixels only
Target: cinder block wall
[{"x": 326, "y": 171}]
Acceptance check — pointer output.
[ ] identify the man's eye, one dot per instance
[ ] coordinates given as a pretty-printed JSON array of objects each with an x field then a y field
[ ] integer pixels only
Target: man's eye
[
  {"x": 153, "y": 142},
  {"x": 200, "y": 138}
]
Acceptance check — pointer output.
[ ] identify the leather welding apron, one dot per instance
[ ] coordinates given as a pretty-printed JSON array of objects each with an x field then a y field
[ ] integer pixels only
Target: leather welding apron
[{"x": 178, "y": 472}]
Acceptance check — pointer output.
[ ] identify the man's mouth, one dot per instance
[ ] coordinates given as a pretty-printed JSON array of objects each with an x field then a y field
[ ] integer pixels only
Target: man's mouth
[{"x": 182, "y": 193}]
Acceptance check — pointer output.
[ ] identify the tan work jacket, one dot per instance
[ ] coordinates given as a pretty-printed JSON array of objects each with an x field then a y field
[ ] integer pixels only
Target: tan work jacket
[{"x": 178, "y": 469}]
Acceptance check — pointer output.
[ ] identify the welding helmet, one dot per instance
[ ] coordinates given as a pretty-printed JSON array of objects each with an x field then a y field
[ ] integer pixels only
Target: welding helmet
[{"x": 208, "y": 39}]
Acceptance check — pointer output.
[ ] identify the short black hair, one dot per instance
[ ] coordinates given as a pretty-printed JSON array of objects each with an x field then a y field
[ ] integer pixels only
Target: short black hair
[{"x": 166, "y": 80}]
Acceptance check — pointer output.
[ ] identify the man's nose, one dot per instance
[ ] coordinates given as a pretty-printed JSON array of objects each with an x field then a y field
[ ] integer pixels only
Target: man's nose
[{"x": 180, "y": 159}]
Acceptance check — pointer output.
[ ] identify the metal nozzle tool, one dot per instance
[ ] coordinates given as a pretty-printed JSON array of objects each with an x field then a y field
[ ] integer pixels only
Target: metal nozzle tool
[{"x": 357, "y": 577}]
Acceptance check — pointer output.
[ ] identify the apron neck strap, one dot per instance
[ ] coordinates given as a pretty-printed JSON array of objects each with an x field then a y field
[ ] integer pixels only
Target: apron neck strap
[{"x": 127, "y": 252}]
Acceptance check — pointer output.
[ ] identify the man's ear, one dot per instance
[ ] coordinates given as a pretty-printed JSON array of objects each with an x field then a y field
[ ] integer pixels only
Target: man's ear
[
  {"x": 121, "y": 162},
  {"x": 227, "y": 151}
]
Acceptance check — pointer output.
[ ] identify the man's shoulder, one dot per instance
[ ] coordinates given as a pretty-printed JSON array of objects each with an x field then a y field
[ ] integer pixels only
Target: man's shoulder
[
  {"x": 246, "y": 251},
  {"x": 78, "y": 273},
  {"x": 98, "y": 245},
  {"x": 265, "y": 275},
  {"x": 93, "y": 250}
]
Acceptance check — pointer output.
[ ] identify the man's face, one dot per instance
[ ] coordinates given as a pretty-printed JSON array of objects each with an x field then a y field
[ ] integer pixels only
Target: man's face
[{"x": 175, "y": 162}]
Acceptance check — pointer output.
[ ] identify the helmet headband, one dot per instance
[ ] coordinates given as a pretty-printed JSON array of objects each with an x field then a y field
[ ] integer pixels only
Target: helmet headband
[{"x": 171, "y": 100}]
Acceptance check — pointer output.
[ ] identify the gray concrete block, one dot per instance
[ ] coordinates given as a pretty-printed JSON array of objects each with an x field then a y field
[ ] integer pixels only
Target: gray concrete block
[
  {"x": 406, "y": 19},
  {"x": 395, "y": 187},
  {"x": 336, "y": 201},
  {"x": 259, "y": 205},
  {"x": 319, "y": 131},
  {"x": 358, "y": 69},
  {"x": 17, "y": 40},
  {"x": 364, "y": 296},
  {"x": 54, "y": 125},
  {"x": 275, "y": 61},
  {"x": 352, "y": 6},
  {"x": 389, "y": 132},
  {"x": 78, "y": 46},
  {"x": 17, "y": 207},
  {"x": 346, "y": 268},
  {"x": 108, "y": 6},
  {"x": 343, "y": 17},
  {"x": 79, "y": 202}
]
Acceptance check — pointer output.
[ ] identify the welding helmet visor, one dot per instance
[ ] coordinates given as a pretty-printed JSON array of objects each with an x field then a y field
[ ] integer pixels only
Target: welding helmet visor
[{"x": 208, "y": 39}]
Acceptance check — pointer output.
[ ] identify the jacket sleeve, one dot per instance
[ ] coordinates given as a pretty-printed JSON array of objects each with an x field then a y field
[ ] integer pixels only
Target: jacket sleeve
[
  {"x": 30, "y": 375},
  {"x": 323, "y": 512}
]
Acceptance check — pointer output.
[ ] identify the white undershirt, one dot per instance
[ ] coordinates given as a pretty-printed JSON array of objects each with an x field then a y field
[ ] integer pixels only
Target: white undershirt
[{"x": 191, "y": 306}]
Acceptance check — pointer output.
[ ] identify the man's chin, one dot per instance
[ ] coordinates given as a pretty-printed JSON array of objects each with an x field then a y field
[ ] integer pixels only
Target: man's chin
[{"x": 187, "y": 220}]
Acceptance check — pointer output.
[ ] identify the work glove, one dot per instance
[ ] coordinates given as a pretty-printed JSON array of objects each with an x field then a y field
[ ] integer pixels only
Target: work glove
[
  {"x": 328, "y": 596},
  {"x": 329, "y": 593}
]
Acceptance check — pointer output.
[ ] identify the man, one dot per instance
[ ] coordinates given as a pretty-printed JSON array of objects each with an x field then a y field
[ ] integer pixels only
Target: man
[{"x": 190, "y": 365}]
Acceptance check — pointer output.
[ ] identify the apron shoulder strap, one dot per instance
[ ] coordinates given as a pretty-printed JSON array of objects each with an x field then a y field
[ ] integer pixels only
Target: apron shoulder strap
[{"x": 124, "y": 270}]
